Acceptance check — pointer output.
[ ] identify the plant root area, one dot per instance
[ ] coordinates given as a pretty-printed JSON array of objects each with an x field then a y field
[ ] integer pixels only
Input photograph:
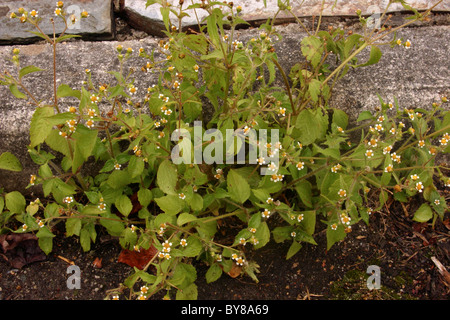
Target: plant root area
[{"x": 413, "y": 258}]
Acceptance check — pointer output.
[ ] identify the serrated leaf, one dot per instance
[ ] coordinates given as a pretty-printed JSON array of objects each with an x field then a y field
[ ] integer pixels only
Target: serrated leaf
[
  {"x": 293, "y": 249},
  {"x": 15, "y": 202},
  {"x": 73, "y": 227},
  {"x": 375, "y": 56},
  {"x": 16, "y": 92},
  {"x": 124, "y": 205},
  {"x": 312, "y": 124},
  {"x": 145, "y": 196},
  {"x": 238, "y": 187},
  {"x": 85, "y": 239},
  {"x": 67, "y": 36},
  {"x": 8, "y": 161},
  {"x": 170, "y": 204},
  {"x": 167, "y": 177},
  {"x": 365, "y": 115},
  {"x": 334, "y": 236},
  {"x": 214, "y": 272},
  {"x": 303, "y": 189},
  {"x": 45, "y": 239},
  {"x": 423, "y": 214},
  {"x": 66, "y": 91},
  {"x": 39, "y": 126},
  {"x": 189, "y": 293},
  {"x": 27, "y": 70},
  {"x": 185, "y": 218}
]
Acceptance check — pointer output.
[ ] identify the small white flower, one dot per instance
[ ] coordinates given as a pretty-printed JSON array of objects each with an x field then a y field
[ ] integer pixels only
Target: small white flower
[
  {"x": 272, "y": 167},
  {"x": 369, "y": 153},
  {"x": 265, "y": 213},
  {"x": 419, "y": 186},
  {"x": 300, "y": 165}
]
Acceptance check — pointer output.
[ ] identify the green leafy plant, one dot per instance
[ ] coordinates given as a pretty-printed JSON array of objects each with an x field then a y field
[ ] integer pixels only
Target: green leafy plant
[{"x": 325, "y": 179}]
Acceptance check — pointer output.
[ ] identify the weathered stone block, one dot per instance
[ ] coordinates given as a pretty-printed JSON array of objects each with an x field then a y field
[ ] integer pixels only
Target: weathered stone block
[
  {"x": 149, "y": 19},
  {"x": 98, "y": 25}
]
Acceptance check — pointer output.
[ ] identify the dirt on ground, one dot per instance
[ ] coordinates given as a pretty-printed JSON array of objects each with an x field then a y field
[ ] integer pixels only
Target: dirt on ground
[{"x": 405, "y": 251}]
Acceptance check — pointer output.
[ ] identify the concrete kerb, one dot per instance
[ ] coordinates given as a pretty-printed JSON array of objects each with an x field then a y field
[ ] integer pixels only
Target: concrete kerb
[{"x": 416, "y": 77}]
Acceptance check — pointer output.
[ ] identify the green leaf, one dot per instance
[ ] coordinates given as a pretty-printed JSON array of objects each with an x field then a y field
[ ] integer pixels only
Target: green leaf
[
  {"x": 308, "y": 223},
  {"x": 293, "y": 249},
  {"x": 213, "y": 30},
  {"x": 58, "y": 143},
  {"x": 312, "y": 125},
  {"x": 128, "y": 238},
  {"x": 303, "y": 236},
  {"x": 8, "y": 161},
  {"x": 185, "y": 218},
  {"x": 16, "y": 92},
  {"x": 423, "y": 214},
  {"x": 281, "y": 234},
  {"x": 196, "y": 202},
  {"x": 189, "y": 293},
  {"x": 39, "y": 126},
  {"x": 334, "y": 236},
  {"x": 118, "y": 179},
  {"x": 85, "y": 142},
  {"x": 124, "y": 205},
  {"x": 193, "y": 248},
  {"x": 15, "y": 202},
  {"x": 85, "y": 239},
  {"x": 214, "y": 272},
  {"x": 135, "y": 166},
  {"x": 67, "y": 36},
  {"x": 112, "y": 223},
  {"x": 375, "y": 56},
  {"x": 303, "y": 189},
  {"x": 238, "y": 187},
  {"x": 184, "y": 275},
  {"x": 365, "y": 115},
  {"x": 145, "y": 196},
  {"x": 170, "y": 204},
  {"x": 314, "y": 89},
  {"x": 340, "y": 118},
  {"x": 263, "y": 235},
  {"x": 73, "y": 227},
  {"x": 167, "y": 177},
  {"x": 66, "y": 91},
  {"x": 45, "y": 239},
  {"x": 165, "y": 11},
  {"x": 27, "y": 70},
  {"x": 312, "y": 49}
]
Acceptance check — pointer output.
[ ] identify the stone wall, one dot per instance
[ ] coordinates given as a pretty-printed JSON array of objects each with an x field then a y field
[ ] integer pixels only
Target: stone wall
[{"x": 417, "y": 77}]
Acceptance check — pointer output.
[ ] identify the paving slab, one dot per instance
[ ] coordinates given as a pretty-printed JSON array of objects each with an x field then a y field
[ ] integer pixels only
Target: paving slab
[
  {"x": 98, "y": 25},
  {"x": 417, "y": 77},
  {"x": 149, "y": 19}
]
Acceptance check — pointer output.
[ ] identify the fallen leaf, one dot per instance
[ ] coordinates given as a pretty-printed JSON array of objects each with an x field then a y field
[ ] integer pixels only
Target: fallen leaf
[
  {"x": 97, "y": 263},
  {"x": 138, "y": 259},
  {"x": 20, "y": 249},
  {"x": 235, "y": 271}
]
